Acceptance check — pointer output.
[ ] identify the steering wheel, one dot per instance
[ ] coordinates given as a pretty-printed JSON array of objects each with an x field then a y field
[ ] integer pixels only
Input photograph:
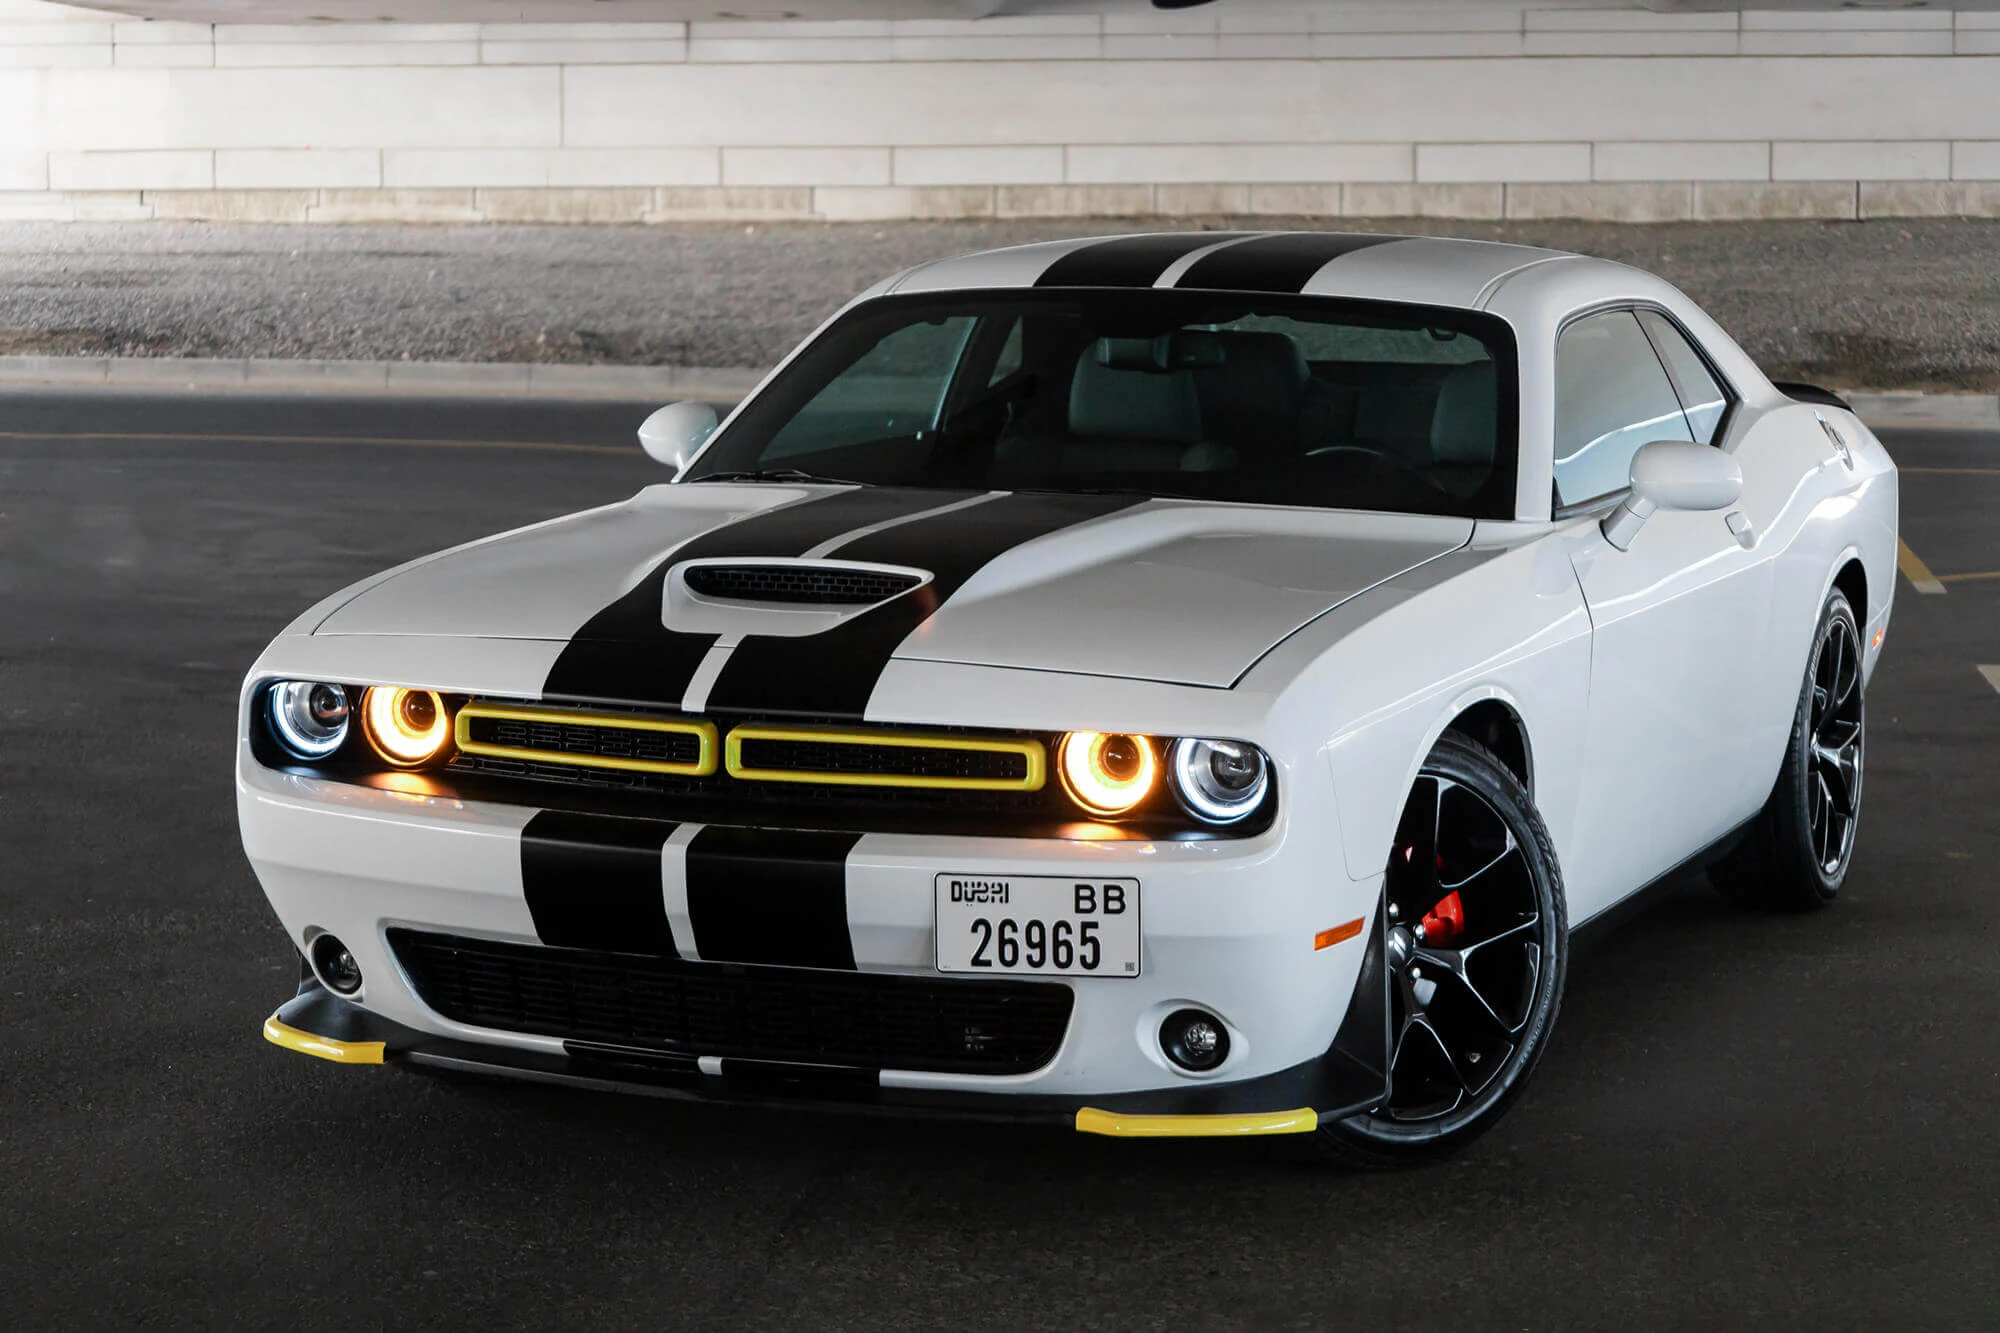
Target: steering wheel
[{"x": 1367, "y": 451}]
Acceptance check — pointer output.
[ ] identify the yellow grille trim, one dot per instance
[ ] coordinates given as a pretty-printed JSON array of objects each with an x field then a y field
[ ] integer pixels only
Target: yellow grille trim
[
  {"x": 1031, "y": 750},
  {"x": 1091, "y": 1120},
  {"x": 703, "y": 765},
  {"x": 325, "y": 1048}
]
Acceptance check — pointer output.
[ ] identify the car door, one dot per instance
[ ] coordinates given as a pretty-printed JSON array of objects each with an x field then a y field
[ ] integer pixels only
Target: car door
[{"x": 1677, "y": 621}]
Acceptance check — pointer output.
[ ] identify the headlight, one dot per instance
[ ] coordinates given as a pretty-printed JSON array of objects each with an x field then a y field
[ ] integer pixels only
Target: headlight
[
  {"x": 406, "y": 727},
  {"x": 1108, "y": 773},
  {"x": 1220, "y": 781},
  {"x": 309, "y": 717}
]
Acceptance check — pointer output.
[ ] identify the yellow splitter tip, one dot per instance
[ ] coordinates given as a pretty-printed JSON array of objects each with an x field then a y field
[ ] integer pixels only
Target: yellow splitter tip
[
  {"x": 1090, "y": 1120},
  {"x": 324, "y": 1048}
]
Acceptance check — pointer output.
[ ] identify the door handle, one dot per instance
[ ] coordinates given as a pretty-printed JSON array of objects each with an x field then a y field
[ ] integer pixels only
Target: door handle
[{"x": 1744, "y": 531}]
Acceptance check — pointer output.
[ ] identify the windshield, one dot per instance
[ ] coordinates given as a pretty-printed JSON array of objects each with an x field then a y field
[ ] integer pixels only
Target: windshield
[{"x": 1264, "y": 400}]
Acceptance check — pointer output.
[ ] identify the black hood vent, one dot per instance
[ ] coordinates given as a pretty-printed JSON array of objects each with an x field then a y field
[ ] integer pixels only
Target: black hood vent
[{"x": 798, "y": 584}]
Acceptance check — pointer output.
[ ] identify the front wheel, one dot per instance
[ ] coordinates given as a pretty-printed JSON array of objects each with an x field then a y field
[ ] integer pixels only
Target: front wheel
[
  {"x": 1477, "y": 942},
  {"x": 1796, "y": 854}
]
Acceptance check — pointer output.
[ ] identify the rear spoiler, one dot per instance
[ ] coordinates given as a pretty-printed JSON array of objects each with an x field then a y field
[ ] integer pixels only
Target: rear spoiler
[{"x": 1811, "y": 393}]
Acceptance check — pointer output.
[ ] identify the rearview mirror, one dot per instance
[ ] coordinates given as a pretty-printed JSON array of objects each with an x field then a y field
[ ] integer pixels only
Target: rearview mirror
[
  {"x": 675, "y": 433},
  {"x": 1673, "y": 474}
]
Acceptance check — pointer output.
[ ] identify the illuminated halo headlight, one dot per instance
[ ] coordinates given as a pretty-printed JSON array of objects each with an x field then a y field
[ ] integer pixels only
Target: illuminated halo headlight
[
  {"x": 406, "y": 727},
  {"x": 1107, "y": 773},
  {"x": 309, "y": 716},
  {"x": 1220, "y": 781}
]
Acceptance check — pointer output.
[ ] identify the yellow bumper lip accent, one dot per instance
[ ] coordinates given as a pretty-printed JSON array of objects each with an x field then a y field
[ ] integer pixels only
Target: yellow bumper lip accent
[
  {"x": 1033, "y": 751},
  {"x": 704, "y": 732},
  {"x": 1090, "y": 1120},
  {"x": 325, "y": 1048}
]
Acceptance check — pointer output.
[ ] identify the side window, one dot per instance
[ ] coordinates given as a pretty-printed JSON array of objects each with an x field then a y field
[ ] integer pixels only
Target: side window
[
  {"x": 1701, "y": 397},
  {"x": 892, "y": 392},
  {"x": 1612, "y": 395}
]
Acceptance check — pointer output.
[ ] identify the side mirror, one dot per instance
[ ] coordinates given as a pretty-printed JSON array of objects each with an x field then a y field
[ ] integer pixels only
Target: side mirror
[
  {"x": 675, "y": 433},
  {"x": 1673, "y": 474}
]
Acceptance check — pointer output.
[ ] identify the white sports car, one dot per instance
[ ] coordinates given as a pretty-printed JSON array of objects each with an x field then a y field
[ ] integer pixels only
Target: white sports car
[{"x": 1168, "y": 685}]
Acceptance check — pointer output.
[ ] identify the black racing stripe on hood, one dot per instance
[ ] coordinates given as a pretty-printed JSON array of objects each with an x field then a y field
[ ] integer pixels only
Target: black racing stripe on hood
[
  {"x": 831, "y": 675},
  {"x": 1274, "y": 263},
  {"x": 593, "y": 882},
  {"x": 1128, "y": 261},
  {"x": 625, "y": 654}
]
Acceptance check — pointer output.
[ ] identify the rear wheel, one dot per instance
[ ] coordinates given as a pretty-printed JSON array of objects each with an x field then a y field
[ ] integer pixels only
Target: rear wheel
[
  {"x": 1476, "y": 948},
  {"x": 1795, "y": 856}
]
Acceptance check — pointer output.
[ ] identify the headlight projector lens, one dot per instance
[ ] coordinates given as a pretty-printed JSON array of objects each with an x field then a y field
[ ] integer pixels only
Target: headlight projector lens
[
  {"x": 1220, "y": 781},
  {"x": 1108, "y": 773},
  {"x": 310, "y": 717},
  {"x": 406, "y": 727}
]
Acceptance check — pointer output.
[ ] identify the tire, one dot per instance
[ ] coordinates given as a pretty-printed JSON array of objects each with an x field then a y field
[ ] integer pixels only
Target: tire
[
  {"x": 1463, "y": 1049},
  {"x": 1796, "y": 853}
]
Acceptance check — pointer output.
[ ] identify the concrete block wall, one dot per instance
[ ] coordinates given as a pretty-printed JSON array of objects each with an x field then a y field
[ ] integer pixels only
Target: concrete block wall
[{"x": 1399, "y": 109}]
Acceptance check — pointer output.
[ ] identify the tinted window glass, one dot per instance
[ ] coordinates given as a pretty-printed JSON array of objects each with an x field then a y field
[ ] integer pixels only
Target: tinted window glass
[
  {"x": 895, "y": 388},
  {"x": 1701, "y": 397},
  {"x": 1612, "y": 395},
  {"x": 1257, "y": 399}
]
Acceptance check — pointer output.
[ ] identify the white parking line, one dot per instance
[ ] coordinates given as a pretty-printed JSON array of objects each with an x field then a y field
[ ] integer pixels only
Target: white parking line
[{"x": 1992, "y": 674}]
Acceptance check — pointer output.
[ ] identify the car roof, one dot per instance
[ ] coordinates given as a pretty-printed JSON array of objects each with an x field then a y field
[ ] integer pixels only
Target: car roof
[{"x": 1361, "y": 265}]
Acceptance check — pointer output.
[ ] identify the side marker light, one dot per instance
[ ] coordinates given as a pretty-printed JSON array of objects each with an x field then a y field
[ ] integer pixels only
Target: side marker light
[{"x": 1326, "y": 939}]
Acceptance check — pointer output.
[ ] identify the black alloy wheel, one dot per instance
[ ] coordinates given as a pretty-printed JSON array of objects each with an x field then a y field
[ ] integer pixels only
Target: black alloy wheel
[
  {"x": 1476, "y": 949},
  {"x": 1797, "y": 853}
]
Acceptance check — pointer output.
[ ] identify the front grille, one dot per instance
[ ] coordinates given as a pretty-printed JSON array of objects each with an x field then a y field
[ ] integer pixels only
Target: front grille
[
  {"x": 584, "y": 740},
  {"x": 820, "y": 585},
  {"x": 794, "y": 1015},
  {"x": 934, "y": 763}
]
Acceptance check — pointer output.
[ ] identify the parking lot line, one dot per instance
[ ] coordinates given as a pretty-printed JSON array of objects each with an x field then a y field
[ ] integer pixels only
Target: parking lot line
[
  {"x": 1961, "y": 578},
  {"x": 163, "y": 437},
  {"x": 1916, "y": 571},
  {"x": 1992, "y": 674}
]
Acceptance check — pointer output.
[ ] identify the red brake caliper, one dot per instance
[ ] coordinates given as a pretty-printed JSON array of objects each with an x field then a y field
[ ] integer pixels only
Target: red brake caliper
[{"x": 1445, "y": 921}]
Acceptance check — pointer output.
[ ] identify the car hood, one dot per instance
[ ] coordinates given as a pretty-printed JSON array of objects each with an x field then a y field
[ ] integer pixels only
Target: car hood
[{"x": 1184, "y": 592}]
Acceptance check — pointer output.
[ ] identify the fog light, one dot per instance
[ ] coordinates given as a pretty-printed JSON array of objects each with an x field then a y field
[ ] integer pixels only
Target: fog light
[
  {"x": 335, "y": 966},
  {"x": 1194, "y": 1040}
]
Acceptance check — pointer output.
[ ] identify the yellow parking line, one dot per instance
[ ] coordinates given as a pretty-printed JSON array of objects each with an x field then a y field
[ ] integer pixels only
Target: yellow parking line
[
  {"x": 164, "y": 437},
  {"x": 1916, "y": 571},
  {"x": 1960, "y": 578}
]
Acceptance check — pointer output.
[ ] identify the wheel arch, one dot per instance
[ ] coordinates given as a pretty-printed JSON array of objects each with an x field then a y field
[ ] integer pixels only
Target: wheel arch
[
  {"x": 1494, "y": 723},
  {"x": 1852, "y": 578}
]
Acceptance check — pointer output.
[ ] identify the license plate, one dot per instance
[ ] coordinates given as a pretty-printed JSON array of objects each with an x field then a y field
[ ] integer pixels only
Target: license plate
[{"x": 1038, "y": 925}]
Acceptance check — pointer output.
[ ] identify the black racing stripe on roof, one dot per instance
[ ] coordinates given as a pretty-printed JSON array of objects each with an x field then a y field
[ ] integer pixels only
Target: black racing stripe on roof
[
  {"x": 624, "y": 654},
  {"x": 832, "y": 674},
  {"x": 1126, "y": 261},
  {"x": 1274, "y": 263}
]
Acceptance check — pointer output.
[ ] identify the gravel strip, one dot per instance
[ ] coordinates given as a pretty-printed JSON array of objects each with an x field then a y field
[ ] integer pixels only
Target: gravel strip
[{"x": 1890, "y": 304}]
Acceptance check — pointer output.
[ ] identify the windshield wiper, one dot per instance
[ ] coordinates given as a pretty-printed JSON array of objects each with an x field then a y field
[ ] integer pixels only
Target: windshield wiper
[{"x": 776, "y": 474}]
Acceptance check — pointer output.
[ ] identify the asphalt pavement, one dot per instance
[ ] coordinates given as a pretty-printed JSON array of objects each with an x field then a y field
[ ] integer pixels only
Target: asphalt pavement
[
  {"x": 1910, "y": 303},
  {"x": 1743, "y": 1119}
]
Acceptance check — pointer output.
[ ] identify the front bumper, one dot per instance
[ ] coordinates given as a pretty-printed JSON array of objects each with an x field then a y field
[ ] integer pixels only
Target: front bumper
[
  {"x": 1228, "y": 927},
  {"x": 1292, "y": 1101}
]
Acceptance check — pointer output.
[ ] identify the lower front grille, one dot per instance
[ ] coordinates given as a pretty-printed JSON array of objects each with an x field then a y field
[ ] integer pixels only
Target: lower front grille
[{"x": 797, "y": 1015}]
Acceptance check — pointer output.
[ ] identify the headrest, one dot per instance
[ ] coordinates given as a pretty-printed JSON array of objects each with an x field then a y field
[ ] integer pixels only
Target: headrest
[
  {"x": 1467, "y": 416},
  {"x": 1260, "y": 371},
  {"x": 1132, "y": 404}
]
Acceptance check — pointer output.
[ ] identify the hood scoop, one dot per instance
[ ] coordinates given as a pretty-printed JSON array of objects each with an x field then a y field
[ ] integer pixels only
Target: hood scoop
[
  {"x": 798, "y": 582},
  {"x": 786, "y": 598}
]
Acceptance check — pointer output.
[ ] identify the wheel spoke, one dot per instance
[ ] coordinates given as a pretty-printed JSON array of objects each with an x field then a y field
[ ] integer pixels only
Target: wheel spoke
[{"x": 1449, "y": 885}]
